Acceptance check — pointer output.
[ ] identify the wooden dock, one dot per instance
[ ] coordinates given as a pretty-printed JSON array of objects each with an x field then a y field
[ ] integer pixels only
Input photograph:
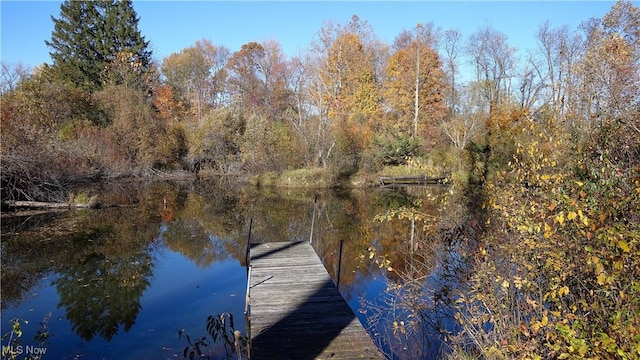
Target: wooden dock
[
  {"x": 411, "y": 180},
  {"x": 296, "y": 312}
]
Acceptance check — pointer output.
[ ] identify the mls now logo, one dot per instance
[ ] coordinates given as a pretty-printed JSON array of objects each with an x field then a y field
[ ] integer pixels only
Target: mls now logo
[{"x": 19, "y": 350}]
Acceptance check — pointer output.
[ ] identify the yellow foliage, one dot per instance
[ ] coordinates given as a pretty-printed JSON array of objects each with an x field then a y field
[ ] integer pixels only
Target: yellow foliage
[
  {"x": 563, "y": 239},
  {"x": 624, "y": 246},
  {"x": 547, "y": 231},
  {"x": 602, "y": 279},
  {"x": 505, "y": 284}
]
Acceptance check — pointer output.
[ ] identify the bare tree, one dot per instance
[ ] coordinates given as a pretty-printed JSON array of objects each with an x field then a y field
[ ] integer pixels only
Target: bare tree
[
  {"x": 452, "y": 48},
  {"x": 532, "y": 83},
  {"x": 560, "y": 52},
  {"x": 11, "y": 75},
  {"x": 468, "y": 122},
  {"x": 495, "y": 63}
]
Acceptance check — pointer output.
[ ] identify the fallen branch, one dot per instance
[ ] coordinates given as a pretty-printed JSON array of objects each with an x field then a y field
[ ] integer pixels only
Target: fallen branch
[{"x": 51, "y": 205}]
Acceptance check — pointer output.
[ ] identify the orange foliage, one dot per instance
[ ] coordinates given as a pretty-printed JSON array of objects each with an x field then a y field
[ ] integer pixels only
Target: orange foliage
[
  {"x": 168, "y": 107},
  {"x": 400, "y": 89},
  {"x": 504, "y": 117}
]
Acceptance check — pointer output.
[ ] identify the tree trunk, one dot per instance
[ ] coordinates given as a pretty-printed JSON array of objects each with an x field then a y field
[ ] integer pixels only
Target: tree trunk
[{"x": 50, "y": 205}]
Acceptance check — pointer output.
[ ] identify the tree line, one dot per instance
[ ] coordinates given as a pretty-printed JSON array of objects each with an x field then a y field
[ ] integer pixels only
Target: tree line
[
  {"x": 351, "y": 104},
  {"x": 551, "y": 135}
]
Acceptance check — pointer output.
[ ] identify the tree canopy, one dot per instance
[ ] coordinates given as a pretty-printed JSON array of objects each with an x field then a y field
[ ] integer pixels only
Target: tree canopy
[
  {"x": 93, "y": 39},
  {"x": 550, "y": 137}
]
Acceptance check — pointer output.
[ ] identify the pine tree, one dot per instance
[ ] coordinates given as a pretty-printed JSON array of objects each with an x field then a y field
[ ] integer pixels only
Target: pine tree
[
  {"x": 71, "y": 52},
  {"x": 98, "y": 42}
]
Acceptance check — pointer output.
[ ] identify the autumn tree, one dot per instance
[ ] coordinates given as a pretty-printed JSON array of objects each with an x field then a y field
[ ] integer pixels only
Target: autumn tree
[
  {"x": 414, "y": 84},
  {"x": 215, "y": 142},
  {"x": 261, "y": 82},
  {"x": 277, "y": 73},
  {"x": 90, "y": 36},
  {"x": 564, "y": 205},
  {"x": 246, "y": 77},
  {"x": 167, "y": 105},
  {"x": 353, "y": 102},
  {"x": 259, "y": 79},
  {"x": 198, "y": 76},
  {"x": 348, "y": 77},
  {"x": 610, "y": 65},
  {"x": 609, "y": 88},
  {"x": 345, "y": 90},
  {"x": 39, "y": 120},
  {"x": 135, "y": 134},
  {"x": 270, "y": 145},
  {"x": 170, "y": 111},
  {"x": 186, "y": 73},
  {"x": 48, "y": 105}
]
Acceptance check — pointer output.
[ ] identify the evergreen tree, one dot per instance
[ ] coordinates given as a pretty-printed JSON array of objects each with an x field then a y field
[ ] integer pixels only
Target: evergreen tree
[
  {"x": 98, "y": 42},
  {"x": 72, "y": 52}
]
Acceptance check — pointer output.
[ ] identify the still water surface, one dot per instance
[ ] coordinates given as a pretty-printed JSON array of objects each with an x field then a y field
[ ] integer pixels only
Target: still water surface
[{"x": 132, "y": 282}]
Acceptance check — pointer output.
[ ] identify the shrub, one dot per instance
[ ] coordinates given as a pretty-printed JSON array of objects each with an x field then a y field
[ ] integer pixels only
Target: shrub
[
  {"x": 396, "y": 149},
  {"x": 559, "y": 276}
]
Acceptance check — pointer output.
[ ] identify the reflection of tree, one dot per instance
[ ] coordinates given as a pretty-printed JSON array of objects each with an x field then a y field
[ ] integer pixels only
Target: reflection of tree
[
  {"x": 350, "y": 217},
  {"x": 101, "y": 294},
  {"x": 416, "y": 312},
  {"x": 101, "y": 282},
  {"x": 23, "y": 264},
  {"x": 21, "y": 270},
  {"x": 206, "y": 224},
  {"x": 342, "y": 216},
  {"x": 209, "y": 223},
  {"x": 189, "y": 238},
  {"x": 395, "y": 198},
  {"x": 35, "y": 247},
  {"x": 278, "y": 215}
]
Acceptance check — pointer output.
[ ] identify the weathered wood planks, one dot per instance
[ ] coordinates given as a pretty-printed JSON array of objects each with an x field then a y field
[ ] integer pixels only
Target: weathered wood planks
[
  {"x": 296, "y": 312},
  {"x": 411, "y": 180}
]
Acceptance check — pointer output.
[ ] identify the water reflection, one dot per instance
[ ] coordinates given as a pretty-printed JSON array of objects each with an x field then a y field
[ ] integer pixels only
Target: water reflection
[
  {"x": 100, "y": 295},
  {"x": 415, "y": 315},
  {"x": 181, "y": 246}
]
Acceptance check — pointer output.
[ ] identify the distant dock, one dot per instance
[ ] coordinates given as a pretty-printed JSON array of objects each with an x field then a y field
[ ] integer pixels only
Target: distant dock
[
  {"x": 411, "y": 180},
  {"x": 296, "y": 311}
]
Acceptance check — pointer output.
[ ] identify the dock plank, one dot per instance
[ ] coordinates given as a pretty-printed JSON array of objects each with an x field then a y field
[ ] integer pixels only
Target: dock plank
[{"x": 296, "y": 312}]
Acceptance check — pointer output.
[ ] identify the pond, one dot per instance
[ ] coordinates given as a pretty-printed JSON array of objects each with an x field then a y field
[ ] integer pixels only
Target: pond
[{"x": 154, "y": 277}]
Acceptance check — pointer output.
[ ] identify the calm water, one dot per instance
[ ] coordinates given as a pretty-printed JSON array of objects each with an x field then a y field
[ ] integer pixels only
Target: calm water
[{"x": 151, "y": 278}]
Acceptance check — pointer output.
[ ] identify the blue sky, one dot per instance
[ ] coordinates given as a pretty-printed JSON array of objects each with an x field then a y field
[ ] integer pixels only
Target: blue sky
[{"x": 171, "y": 26}]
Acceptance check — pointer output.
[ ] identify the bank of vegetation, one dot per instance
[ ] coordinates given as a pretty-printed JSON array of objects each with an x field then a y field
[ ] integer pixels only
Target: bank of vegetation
[{"x": 550, "y": 136}]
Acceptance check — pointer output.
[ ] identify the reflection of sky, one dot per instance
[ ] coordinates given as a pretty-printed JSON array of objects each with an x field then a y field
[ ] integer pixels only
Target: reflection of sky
[
  {"x": 180, "y": 296},
  {"x": 370, "y": 288}
]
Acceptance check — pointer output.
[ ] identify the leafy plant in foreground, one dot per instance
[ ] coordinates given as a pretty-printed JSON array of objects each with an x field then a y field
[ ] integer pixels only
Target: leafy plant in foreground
[
  {"x": 14, "y": 348},
  {"x": 226, "y": 341},
  {"x": 559, "y": 278}
]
